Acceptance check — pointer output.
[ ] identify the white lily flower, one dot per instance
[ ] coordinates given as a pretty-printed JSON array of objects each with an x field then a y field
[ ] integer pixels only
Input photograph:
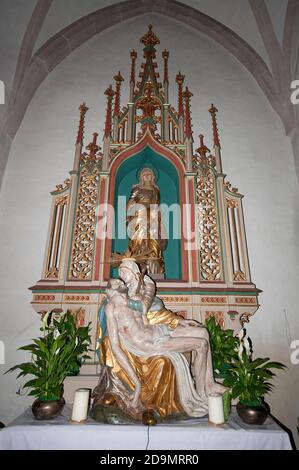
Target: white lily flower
[
  {"x": 56, "y": 334},
  {"x": 241, "y": 335},
  {"x": 240, "y": 351},
  {"x": 45, "y": 319},
  {"x": 247, "y": 346}
]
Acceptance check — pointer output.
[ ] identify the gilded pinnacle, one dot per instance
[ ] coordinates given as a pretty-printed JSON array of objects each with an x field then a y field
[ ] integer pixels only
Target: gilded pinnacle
[
  {"x": 109, "y": 92},
  {"x": 93, "y": 147},
  {"x": 149, "y": 38},
  {"x": 83, "y": 108},
  {"x": 213, "y": 112},
  {"x": 203, "y": 149},
  {"x": 180, "y": 78},
  {"x": 187, "y": 93},
  {"x": 212, "y": 109},
  {"x": 118, "y": 77}
]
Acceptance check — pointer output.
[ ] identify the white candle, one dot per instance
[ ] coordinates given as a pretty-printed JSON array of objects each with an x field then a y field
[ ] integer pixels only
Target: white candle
[
  {"x": 215, "y": 403},
  {"x": 80, "y": 406}
]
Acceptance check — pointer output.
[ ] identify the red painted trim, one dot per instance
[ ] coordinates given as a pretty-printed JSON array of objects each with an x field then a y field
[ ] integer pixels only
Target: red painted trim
[
  {"x": 99, "y": 231},
  {"x": 194, "y": 253},
  {"x": 172, "y": 157}
]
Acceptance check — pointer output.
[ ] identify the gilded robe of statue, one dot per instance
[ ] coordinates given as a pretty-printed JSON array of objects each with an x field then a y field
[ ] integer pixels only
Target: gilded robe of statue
[{"x": 145, "y": 228}]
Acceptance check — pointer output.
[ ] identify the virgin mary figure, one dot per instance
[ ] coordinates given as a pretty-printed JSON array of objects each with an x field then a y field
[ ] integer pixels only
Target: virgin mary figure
[{"x": 146, "y": 231}]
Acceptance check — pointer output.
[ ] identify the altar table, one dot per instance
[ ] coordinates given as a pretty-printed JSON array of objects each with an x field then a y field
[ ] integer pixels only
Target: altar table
[{"x": 25, "y": 433}]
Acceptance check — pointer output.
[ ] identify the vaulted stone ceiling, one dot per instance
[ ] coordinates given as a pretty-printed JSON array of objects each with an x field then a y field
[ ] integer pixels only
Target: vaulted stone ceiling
[{"x": 261, "y": 34}]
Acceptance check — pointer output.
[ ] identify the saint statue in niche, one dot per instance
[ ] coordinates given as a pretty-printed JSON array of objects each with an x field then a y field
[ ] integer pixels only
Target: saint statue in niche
[{"x": 146, "y": 231}]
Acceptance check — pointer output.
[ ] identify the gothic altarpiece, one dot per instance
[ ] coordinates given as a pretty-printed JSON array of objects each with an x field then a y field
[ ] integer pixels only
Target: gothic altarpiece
[{"x": 211, "y": 276}]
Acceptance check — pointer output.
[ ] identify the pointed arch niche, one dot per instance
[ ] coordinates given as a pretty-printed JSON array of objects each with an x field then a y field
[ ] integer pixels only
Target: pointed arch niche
[
  {"x": 168, "y": 183},
  {"x": 170, "y": 177}
]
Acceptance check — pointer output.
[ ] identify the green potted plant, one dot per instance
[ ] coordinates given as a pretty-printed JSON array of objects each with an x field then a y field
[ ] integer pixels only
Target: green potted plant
[
  {"x": 52, "y": 357},
  {"x": 250, "y": 380},
  {"x": 224, "y": 346}
]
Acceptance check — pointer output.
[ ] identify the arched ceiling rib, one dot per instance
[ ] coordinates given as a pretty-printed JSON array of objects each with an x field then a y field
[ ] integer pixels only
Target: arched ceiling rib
[{"x": 252, "y": 47}]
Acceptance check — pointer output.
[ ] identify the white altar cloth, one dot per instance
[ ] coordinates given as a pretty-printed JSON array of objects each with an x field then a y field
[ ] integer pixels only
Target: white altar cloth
[{"x": 193, "y": 434}]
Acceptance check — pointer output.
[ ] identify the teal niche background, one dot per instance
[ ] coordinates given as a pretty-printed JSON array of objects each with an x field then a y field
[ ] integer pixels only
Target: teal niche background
[{"x": 168, "y": 183}]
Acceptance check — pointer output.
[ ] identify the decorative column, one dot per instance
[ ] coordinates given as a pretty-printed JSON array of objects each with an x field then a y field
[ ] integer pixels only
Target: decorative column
[
  {"x": 133, "y": 56},
  {"x": 79, "y": 142},
  {"x": 165, "y": 55},
  {"x": 108, "y": 126},
  {"x": 74, "y": 177},
  {"x": 216, "y": 141},
  {"x": 221, "y": 202},
  {"x": 180, "y": 80},
  {"x": 188, "y": 130},
  {"x": 85, "y": 217},
  {"x": 210, "y": 259},
  {"x": 165, "y": 130},
  {"x": 130, "y": 128},
  {"x": 118, "y": 79}
]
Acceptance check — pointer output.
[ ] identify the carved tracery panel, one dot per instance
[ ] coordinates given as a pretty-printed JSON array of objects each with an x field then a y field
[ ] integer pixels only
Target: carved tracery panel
[
  {"x": 84, "y": 231},
  {"x": 210, "y": 252}
]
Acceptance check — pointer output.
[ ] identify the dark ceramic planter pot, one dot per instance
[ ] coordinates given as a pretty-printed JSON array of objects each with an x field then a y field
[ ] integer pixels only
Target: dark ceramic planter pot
[
  {"x": 252, "y": 414},
  {"x": 47, "y": 409}
]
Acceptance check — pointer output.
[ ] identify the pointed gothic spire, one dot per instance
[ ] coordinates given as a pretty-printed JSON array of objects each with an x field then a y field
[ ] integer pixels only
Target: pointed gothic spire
[
  {"x": 118, "y": 79},
  {"x": 149, "y": 38},
  {"x": 165, "y": 55},
  {"x": 108, "y": 124},
  {"x": 133, "y": 56},
  {"x": 213, "y": 112},
  {"x": 83, "y": 110},
  {"x": 188, "y": 126},
  {"x": 180, "y": 80}
]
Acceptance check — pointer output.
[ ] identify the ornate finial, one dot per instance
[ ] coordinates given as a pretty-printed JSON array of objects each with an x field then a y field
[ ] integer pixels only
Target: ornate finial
[
  {"x": 133, "y": 56},
  {"x": 165, "y": 55},
  {"x": 148, "y": 103},
  {"x": 109, "y": 93},
  {"x": 93, "y": 147},
  {"x": 213, "y": 112},
  {"x": 83, "y": 110},
  {"x": 118, "y": 79},
  {"x": 188, "y": 126},
  {"x": 202, "y": 149},
  {"x": 149, "y": 38},
  {"x": 180, "y": 80}
]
